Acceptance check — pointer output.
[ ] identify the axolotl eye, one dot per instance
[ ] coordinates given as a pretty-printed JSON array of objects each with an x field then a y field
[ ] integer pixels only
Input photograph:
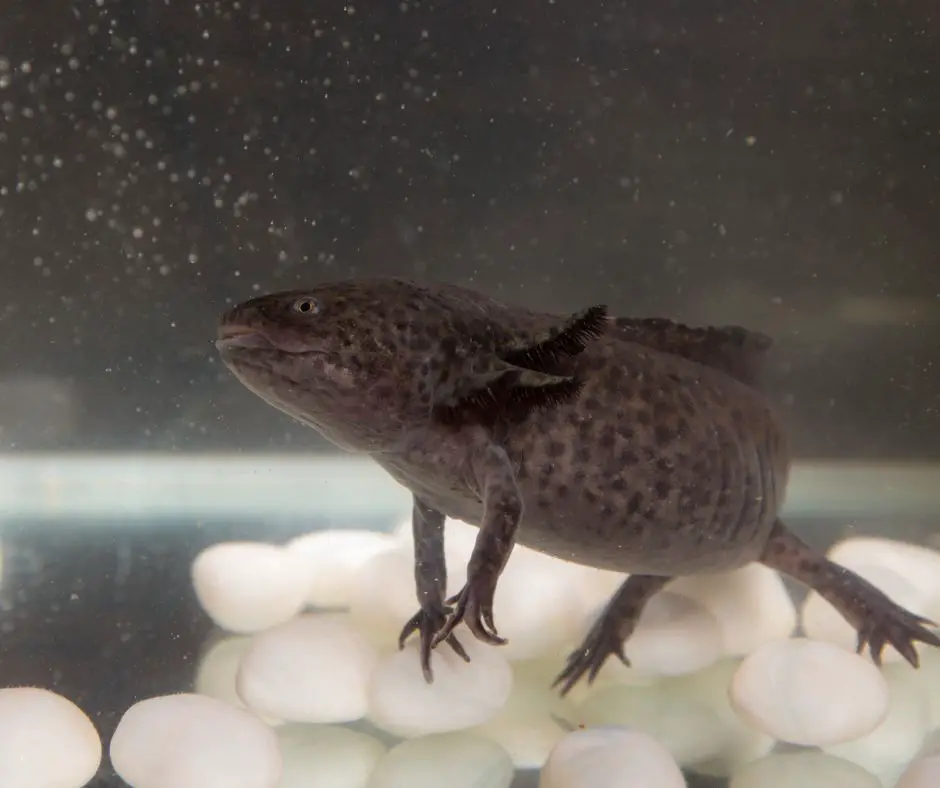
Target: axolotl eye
[{"x": 306, "y": 305}]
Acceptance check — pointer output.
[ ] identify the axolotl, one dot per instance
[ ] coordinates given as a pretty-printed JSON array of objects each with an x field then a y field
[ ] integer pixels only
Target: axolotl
[{"x": 641, "y": 446}]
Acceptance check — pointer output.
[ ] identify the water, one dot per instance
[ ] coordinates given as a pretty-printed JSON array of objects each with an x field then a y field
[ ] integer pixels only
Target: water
[{"x": 768, "y": 165}]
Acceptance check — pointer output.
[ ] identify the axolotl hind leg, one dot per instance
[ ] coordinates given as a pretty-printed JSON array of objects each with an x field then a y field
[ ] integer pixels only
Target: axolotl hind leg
[{"x": 878, "y": 620}]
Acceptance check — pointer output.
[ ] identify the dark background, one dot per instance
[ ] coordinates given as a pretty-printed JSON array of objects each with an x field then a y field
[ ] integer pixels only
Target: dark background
[
  {"x": 771, "y": 164},
  {"x": 775, "y": 164}
]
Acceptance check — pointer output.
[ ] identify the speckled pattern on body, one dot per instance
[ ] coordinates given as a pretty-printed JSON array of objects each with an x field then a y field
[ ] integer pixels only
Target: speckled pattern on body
[{"x": 635, "y": 445}]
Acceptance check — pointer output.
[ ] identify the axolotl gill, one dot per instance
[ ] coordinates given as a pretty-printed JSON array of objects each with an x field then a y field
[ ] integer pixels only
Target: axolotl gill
[{"x": 641, "y": 446}]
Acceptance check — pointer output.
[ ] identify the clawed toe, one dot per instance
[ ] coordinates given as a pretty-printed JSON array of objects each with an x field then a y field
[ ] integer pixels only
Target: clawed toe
[
  {"x": 897, "y": 628},
  {"x": 429, "y": 623},
  {"x": 475, "y": 609},
  {"x": 589, "y": 659}
]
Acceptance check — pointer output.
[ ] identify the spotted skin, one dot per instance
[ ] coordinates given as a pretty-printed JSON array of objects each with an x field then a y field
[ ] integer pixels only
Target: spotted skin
[{"x": 633, "y": 445}]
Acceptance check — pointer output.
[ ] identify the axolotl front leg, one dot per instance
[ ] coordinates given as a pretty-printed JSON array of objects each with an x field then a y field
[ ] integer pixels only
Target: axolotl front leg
[
  {"x": 502, "y": 513},
  {"x": 427, "y": 526},
  {"x": 436, "y": 620}
]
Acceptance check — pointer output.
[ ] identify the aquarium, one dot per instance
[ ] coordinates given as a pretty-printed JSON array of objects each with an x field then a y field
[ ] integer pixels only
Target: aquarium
[{"x": 198, "y": 590}]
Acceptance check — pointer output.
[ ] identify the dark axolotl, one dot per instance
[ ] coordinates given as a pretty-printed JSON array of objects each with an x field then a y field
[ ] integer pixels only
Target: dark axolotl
[{"x": 639, "y": 446}]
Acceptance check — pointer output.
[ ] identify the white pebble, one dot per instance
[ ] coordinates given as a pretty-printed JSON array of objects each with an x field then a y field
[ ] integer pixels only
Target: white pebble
[
  {"x": 686, "y": 727},
  {"x": 923, "y": 773},
  {"x": 218, "y": 667},
  {"x": 536, "y": 607},
  {"x": 383, "y": 597},
  {"x": 332, "y": 559},
  {"x": 327, "y": 756},
  {"x": 810, "y": 769},
  {"x": 899, "y": 737},
  {"x": 743, "y": 742},
  {"x": 929, "y": 676},
  {"x": 809, "y": 692},
  {"x": 610, "y": 757},
  {"x": 313, "y": 668},
  {"x": 191, "y": 741},
  {"x": 247, "y": 587},
  {"x": 217, "y": 673},
  {"x": 674, "y": 636},
  {"x": 454, "y": 760},
  {"x": 46, "y": 741},
  {"x": 525, "y": 725},
  {"x": 463, "y": 694},
  {"x": 821, "y": 621},
  {"x": 751, "y": 604},
  {"x": 931, "y": 747}
]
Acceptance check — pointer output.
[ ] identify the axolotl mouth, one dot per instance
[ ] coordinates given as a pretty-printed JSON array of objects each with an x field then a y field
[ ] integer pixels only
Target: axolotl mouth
[
  {"x": 232, "y": 336},
  {"x": 236, "y": 337}
]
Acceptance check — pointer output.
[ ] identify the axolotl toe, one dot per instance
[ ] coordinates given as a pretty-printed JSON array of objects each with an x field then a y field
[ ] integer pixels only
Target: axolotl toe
[{"x": 634, "y": 445}]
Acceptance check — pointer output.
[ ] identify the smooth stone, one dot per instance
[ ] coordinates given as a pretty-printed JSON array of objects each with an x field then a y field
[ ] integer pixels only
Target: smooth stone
[
  {"x": 536, "y": 607},
  {"x": 809, "y": 692},
  {"x": 191, "y": 741},
  {"x": 382, "y": 597},
  {"x": 898, "y": 739},
  {"x": 46, "y": 741},
  {"x": 922, "y": 773},
  {"x": 454, "y": 760},
  {"x": 610, "y": 757},
  {"x": 327, "y": 756},
  {"x": 463, "y": 694},
  {"x": 674, "y": 636},
  {"x": 526, "y": 726},
  {"x": 314, "y": 668},
  {"x": 217, "y": 669},
  {"x": 809, "y": 769},
  {"x": 929, "y": 677},
  {"x": 246, "y": 587},
  {"x": 751, "y": 604},
  {"x": 332, "y": 558},
  {"x": 686, "y": 727},
  {"x": 743, "y": 742}
]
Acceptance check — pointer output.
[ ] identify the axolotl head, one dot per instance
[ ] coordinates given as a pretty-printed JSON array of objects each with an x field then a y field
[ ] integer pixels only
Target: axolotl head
[{"x": 352, "y": 359}]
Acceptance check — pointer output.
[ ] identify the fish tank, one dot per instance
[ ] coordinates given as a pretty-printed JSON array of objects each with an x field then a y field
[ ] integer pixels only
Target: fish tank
[{"x": 199, "y": 591}]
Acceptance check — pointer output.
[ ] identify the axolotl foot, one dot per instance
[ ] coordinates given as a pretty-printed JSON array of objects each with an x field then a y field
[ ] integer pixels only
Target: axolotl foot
[
  {"x": 428, "y": 623},
  {"x": 878, "y": 620},
  {"x": 436, "y": 624},
  {"x": 611, "y": 630}
]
